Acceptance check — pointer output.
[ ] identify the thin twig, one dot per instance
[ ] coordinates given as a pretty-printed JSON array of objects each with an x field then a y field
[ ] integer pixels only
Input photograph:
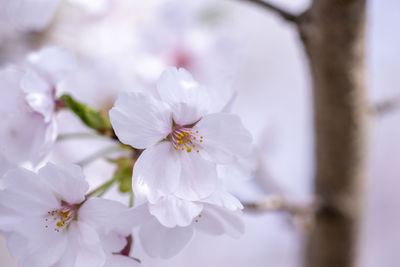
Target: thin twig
[
  {"x": 99, "y": 154},
  {"x": 102, "y": 189},
  {"x": 387, "y": 106},
  {"x": 281, "y": 12},
  {"x": 300, "y": 215},
  {"x": 279, "y": 203},
  {"x": 68, "y": 136}
]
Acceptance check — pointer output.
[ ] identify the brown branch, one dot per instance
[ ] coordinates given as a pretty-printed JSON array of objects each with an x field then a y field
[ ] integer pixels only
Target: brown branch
[
  {"x": 386, "y": 106},
  {"x": 300, "y": 214},
  {"x": 278, "y": 203},
  {"x": 277, "y": 10}
]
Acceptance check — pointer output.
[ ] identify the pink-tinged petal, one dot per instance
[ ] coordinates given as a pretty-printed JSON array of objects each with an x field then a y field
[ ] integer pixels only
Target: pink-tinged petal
[
  {"x": 140, "y": 120},
  {"x": 225, "y": 138},
  {"x": 216, "y": 217},
  {"x": 106, "y": 215},
  {"x": 162, "y": 242},
  {"x": 121, "y": 261},
  {"x": 198, "y": 178},
  {"x": 66, "y": 180},
  {"x": 188, "y": 100},
  {"x": 172, "y": 211},
  {"x": 156, "y": 172},
  {"x": 52, "y": 63},
  {"x": 25, "y": 193}
]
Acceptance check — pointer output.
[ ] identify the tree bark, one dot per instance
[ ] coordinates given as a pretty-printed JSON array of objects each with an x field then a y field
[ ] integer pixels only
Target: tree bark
[{"x": 332, "y": 32}]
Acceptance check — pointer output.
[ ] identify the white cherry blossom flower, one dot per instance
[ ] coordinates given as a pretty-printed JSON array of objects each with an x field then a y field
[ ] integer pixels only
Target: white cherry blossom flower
[
  {"x": 48, "y": 221},
  {"x": 27, "y": 105},
  {"x": 194, "y": 35},
  {"x": 217, "y": 215},
  {"x": 183, "y": 141}
]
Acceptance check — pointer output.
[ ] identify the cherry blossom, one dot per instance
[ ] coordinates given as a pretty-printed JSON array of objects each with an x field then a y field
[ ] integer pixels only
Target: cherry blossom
[
  {"x": 183, "y": 141},
  {"x": 190, "y": 35},
  {"x": 217, "y": 215},
  {"x": 27, "y": 105},
  {"x": 49, "y": 222}
]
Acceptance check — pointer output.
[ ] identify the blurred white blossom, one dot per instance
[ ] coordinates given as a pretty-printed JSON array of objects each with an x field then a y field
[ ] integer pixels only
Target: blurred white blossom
[
  {"x": 28, "y": 105},
  {"x": 216, "y": 215}
]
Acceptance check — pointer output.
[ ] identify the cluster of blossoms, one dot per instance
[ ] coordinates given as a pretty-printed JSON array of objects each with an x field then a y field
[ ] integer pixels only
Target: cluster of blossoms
[
  {"x": 51, "y": 220},
  {"x": 176, "y": 175}
]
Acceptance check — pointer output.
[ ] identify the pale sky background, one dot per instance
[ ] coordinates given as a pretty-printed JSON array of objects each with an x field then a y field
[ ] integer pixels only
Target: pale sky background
[{"x": 274, "y": 102}]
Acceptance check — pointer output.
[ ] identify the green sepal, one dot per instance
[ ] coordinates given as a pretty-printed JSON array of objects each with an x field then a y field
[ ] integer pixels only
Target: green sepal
[
  {"x": 123, "y": 174},
  {"x": 90, "y": 117}
]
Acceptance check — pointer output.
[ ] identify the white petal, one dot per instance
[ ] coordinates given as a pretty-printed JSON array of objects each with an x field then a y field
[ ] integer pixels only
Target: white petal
[
  {"x": 172, "y": 211},
  {"x": 121, "y": 261},
  {"x": 177, "y": 87},
  {"x": 5, "y": 165},
  {"x": 185, "y": 114},
  {"x": 113, "y": 242},
  {"x": 156, "y": 172},
  {"x": 66, "y": 180},
  {"x": 26, "y": 194},
  {"x": 38, "y": 94},
  {"x": 52, "y": 62},
  {"x": 215, "y": 217},
  {"x": 9, "y": 219},
  {"x": 25, "y": 137},
  {"x": 209, "y": 223},
  {"x": 198, "y": 178},
  {"x": 223, "y": 199},
  {"x": 162, "y": 242},
  {"x": 90, "y": 252},
  {"x": 224, "y": 137},
  {"x": 34, "y": 245},
  {"x": 10, "y": 94},
  {"x": 106, "y": 215},
  {"x": 140, "y": 120}
]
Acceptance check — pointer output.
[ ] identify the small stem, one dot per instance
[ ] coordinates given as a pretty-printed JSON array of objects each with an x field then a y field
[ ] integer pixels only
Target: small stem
[
  {"x": 99, "y": 154},
  {"x": 282, "y": 13},
  {"x": 68, "y": 136},
  {"x": 131, "y": 198},
  {"x": 102, "y": 189}
]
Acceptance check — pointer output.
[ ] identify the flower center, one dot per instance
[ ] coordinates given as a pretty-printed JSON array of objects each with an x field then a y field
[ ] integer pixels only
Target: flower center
[
  {"x": 186, "y": 139},
  {"x": 61, "y": 218}
]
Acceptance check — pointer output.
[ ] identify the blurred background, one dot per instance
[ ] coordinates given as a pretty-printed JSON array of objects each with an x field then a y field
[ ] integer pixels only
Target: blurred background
[{"x": 228, "y": 45}]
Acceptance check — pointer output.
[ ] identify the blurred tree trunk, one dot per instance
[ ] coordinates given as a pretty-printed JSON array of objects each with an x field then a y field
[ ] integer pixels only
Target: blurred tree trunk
[{"x": 332, "y": 32}]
